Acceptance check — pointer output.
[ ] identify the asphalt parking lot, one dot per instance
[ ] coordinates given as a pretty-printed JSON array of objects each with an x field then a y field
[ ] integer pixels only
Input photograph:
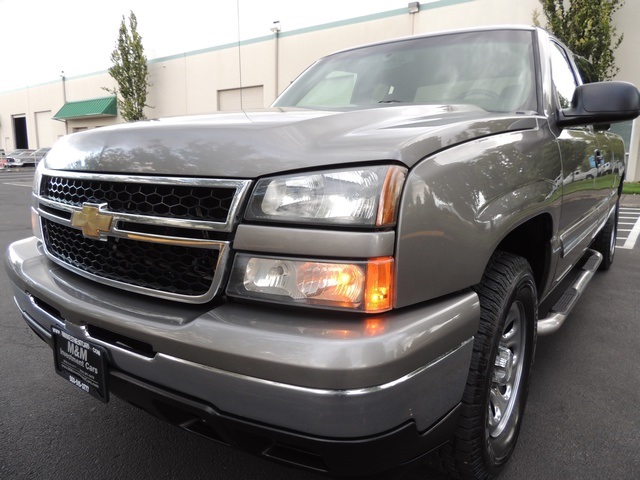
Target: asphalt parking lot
[{"x": 582, "y": 419}]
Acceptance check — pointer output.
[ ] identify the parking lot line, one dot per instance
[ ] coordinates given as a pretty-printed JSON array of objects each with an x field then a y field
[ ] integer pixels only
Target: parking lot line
[
  {"x": 633, "y": 214},
  {"x": 18, "y": 184}
]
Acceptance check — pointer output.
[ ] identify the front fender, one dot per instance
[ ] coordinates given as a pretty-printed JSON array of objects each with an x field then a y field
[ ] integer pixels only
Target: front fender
[{"x": 459, "y": 204}]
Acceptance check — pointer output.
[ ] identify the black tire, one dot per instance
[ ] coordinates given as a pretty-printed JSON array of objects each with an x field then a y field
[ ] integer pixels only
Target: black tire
[
  {"x": 605, "y": 241},
  {"x": 497, "y": 386}
]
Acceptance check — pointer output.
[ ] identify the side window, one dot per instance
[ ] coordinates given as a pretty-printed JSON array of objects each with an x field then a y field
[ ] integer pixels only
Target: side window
[{"x": 562, "y": 75}]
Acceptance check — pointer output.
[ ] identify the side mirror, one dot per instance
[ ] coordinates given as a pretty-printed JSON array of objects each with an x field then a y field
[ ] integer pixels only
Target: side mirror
[{"x": 601, "y": 103}]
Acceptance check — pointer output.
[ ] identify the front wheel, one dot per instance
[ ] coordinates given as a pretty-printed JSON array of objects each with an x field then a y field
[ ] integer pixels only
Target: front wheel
[{"x": 497, "y": 385}]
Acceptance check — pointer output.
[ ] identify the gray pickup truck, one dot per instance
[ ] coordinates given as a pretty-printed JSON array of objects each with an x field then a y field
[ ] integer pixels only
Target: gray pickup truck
[{"x": 351, "y": 279}]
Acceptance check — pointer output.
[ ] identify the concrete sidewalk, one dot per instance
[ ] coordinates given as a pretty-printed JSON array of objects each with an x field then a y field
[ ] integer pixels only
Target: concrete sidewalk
[{"x": 630, "y": 200}]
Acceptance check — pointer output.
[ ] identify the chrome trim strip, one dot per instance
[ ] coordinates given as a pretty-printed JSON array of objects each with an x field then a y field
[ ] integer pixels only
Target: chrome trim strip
[
  {"x": 169, "y": 240},
  {"x": 591, "y": 229},
  {"x": 147, "y": 179},
  {"x": 114, "y": 231}
]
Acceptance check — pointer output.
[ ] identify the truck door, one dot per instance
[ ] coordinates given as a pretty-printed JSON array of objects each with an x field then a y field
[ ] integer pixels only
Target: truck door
[{"x": 582, "y": 165}]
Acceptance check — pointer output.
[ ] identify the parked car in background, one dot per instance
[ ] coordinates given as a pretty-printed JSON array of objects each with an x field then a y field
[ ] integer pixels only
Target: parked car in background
[
  {"x": 9, "y": 158},
  {"x": 27, "y": 158},
  {"x": 15, "y": 160},
  {"x": 40, "y": 153},
  {"x": 19, "y": 151}
]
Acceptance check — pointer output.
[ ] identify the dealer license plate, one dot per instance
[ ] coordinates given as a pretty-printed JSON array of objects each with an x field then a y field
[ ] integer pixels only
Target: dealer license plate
[{"x": 82, "y": 363}]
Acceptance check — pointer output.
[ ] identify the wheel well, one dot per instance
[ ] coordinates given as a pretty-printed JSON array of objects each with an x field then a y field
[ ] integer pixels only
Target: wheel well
[{"x": 532, "y": 240}]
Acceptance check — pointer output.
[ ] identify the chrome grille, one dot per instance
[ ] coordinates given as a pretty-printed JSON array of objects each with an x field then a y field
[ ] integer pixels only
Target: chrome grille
[{"x": 167, "y": 237}]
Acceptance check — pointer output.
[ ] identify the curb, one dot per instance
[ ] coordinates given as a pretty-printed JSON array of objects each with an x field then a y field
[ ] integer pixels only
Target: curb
[{"x": 628, "y": 200}]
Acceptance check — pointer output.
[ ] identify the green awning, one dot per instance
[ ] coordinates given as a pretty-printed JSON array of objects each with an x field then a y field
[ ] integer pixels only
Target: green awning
[{"x": 98, "y": 107}]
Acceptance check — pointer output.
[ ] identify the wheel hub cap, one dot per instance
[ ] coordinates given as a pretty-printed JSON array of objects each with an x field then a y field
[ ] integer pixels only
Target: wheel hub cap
[{"x": 506, "y": 375}]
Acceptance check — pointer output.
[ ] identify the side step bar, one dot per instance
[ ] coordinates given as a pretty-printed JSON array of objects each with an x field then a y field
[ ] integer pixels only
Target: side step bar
[{"x": 569, "y": 298}]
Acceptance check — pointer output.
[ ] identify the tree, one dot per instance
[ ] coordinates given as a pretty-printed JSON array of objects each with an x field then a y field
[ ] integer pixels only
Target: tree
[
  {"x": 130, "y": 71},
  {"x": 586, "y": 27}
]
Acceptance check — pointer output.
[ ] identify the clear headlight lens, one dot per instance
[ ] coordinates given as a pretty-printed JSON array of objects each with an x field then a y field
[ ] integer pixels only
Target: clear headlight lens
[
  {"x": 366, "y": 197},
  {"x": 363, "y": 286}
]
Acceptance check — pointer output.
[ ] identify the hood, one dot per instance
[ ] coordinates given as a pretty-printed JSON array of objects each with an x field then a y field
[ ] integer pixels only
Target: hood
[{"x": 253, "y": 144}]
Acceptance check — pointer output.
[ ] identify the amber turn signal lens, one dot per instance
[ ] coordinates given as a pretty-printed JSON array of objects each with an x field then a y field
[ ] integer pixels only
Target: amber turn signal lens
[
  {"x": 379, "y": 285},
  {"x": 390, "y": 196}
]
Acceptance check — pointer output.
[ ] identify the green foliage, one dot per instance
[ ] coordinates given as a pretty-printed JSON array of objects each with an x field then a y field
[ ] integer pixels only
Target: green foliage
[
  {"x": 586, "y": 27},
  {"x": 631, "y": 188},
  {"x": 130, "y": 71}
]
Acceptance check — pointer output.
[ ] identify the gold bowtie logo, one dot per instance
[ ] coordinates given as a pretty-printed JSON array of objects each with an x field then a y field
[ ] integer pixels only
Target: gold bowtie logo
[{"x": 91, "y": 220}]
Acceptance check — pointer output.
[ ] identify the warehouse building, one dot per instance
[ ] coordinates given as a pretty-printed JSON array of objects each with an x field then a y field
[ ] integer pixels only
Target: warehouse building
[{"x": 209, "y": 80}]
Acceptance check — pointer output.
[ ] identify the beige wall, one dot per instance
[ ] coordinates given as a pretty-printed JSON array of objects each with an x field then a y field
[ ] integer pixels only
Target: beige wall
[
  {"x": 626, "y": 21},
  {"x": 31, "y": 103},
  {"x": 188, "y": 84},
  {"x": 477, "y": 13}
]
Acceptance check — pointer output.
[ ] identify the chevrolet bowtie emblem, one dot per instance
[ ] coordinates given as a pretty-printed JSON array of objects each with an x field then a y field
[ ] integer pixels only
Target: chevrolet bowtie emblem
[{"x": 91, "y": 220}]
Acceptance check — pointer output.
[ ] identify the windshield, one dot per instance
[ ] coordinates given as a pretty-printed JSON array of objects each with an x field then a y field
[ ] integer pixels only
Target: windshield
[{"x": 493, "y": 70}]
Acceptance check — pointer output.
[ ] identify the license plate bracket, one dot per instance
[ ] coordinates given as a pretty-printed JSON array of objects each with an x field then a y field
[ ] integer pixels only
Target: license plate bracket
[{"x": 81, "y": 363}]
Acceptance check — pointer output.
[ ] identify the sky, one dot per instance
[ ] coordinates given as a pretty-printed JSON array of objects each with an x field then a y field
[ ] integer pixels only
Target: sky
[{"x": 40, "y": 39}]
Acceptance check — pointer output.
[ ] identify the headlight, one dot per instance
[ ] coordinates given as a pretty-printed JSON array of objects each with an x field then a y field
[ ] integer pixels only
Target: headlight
[
  {"x": 361, "y": 197},
  {"x": 363, "y": 286}
]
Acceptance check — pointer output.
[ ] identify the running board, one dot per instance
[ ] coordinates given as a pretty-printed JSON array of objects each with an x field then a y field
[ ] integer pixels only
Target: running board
[{"x": 569, "y": 298}]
